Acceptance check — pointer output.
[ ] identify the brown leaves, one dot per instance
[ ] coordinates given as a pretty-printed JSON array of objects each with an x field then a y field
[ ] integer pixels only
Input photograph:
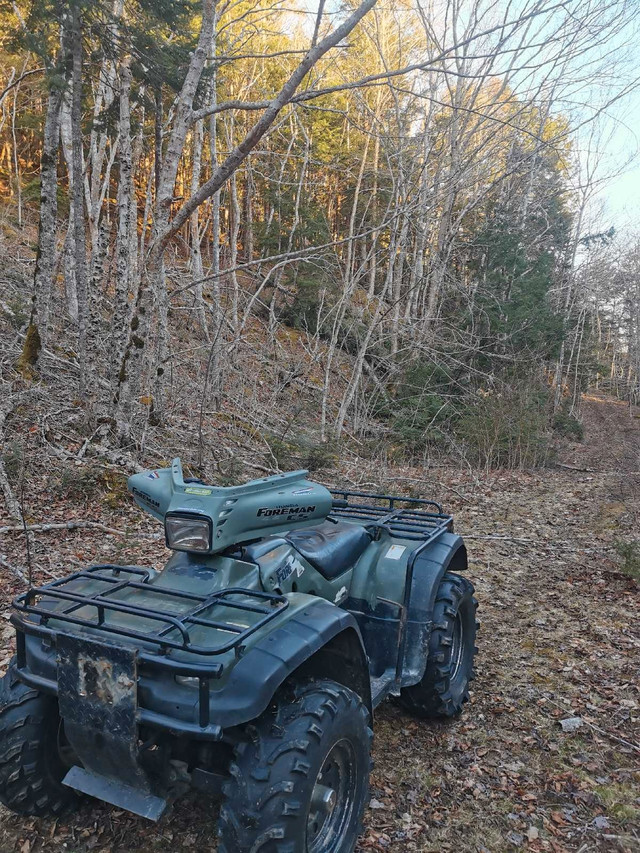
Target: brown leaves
[{"x": 553, "y": 647}]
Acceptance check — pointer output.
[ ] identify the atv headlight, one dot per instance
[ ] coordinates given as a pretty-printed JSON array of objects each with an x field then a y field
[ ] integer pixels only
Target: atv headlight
[{"x": 186, "y": 532}]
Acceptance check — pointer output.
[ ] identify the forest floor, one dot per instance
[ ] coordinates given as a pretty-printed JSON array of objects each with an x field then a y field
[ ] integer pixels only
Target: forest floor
[{"x": 560, "y": 638}]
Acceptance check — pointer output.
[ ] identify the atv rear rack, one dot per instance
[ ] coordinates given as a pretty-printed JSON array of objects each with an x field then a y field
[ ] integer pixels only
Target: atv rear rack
[{"x": 410, "y": 522}]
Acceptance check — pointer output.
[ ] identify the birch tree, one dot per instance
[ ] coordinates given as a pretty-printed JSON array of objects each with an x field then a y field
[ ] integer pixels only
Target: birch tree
[{"x": 165, "y": 226}]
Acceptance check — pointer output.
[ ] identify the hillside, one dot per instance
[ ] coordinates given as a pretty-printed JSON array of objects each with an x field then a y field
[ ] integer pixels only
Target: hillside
[{"x": 559, "y": 639}]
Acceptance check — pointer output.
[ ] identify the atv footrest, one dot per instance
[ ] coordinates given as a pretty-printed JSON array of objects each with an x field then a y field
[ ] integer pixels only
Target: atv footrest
[
  {"x": 117, "y": 793},
  {"x": 382, "y": 686}
]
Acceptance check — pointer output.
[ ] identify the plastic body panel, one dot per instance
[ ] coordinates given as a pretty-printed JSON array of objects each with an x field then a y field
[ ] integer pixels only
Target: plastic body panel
[
  {"x": 243, "y": 695},
  {"x": 447, "y": 553},
  {"x": 378, "y": 594},
  {"x": 238, "y": 513}
]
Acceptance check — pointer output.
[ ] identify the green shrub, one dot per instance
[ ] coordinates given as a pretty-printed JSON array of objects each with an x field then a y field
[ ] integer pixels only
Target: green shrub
[
  {"x": 417, "y": 428},
  {"x": 567, "y": 424},
  {"x": 319, "y": 456},
  {"x": 302, "y": 310},
  {"x": 418, "y": 412},
  {"x": 301, "y": 452},
  {"x": 630, "y": 553},
  {"x": 85, "y": 484},
  {"x": 77, "y": 483},
  {"x": 19, "y": 309},
  {"x": 505, "y": 430},
  {"x": 12, "y": 459},
  {"x": 231, "y": 473}
]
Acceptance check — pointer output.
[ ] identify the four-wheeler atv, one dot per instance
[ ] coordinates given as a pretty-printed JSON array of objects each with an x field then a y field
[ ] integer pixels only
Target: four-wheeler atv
[{"x": 248, "y": 667}]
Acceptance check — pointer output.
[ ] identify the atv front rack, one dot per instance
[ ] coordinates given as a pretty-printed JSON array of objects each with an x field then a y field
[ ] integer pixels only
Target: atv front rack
[
  {"x": 414, "y": 522},
  {"x": 87, "y": 614},
  {"x": 41, "y": 602}
]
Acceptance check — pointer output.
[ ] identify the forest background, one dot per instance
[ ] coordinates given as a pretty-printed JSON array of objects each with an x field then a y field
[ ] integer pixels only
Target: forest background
[{"x": 262, "y": 230}]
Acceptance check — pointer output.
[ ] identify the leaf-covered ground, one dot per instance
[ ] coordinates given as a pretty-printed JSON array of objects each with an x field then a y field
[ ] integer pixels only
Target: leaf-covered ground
[{"x": 560, "y": 639}]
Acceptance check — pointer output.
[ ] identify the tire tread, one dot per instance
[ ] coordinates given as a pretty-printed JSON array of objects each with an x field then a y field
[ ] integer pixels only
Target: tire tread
[
  {"x": 261, "y": 775},
  {"x": 432, "y": 696},
  {"x": 27, "y": 784}
]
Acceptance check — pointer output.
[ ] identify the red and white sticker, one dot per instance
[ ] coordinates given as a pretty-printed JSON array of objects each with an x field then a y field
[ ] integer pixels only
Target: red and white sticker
[{"x": 395, "y": 552}]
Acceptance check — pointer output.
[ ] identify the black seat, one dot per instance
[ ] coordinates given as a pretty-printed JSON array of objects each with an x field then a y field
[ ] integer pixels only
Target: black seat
[{"x": 330, "y": 548}]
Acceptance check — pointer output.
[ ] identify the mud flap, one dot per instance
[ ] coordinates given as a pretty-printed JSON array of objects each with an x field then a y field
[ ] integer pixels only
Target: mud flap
[
  {"x": 117, "y": 793},
  {"x": 97, "y": 695}
]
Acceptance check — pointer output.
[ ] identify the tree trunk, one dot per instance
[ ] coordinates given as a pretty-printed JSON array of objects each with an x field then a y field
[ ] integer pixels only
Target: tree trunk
[
  {"x": 38, "y": 330},
  {"x": 78, "y": 200},
  {"x": 249, "y": 189},
  {"x": 195, "y": 238},
  {"x": 71, "y": 293},
  {"x": 215, "y": 373},
  {"x": 234, "y": 233},
  {"x": 124, "y": 232},
  {"x": 356, "y": 374},
  {"x": 375, "y": 214}
]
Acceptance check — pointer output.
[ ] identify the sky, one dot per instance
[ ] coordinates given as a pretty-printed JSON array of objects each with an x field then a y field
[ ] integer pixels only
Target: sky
[
  {"x": 617, "y": 201},
  {"x": 620, "y": 195}
]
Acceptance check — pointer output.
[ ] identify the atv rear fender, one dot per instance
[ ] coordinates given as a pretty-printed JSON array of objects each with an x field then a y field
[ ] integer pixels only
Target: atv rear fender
[{"x": 447, "y": 553}]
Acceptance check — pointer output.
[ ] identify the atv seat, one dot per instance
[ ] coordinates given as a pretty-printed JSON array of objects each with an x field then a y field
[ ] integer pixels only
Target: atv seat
[{"x": 331, "y": 548}]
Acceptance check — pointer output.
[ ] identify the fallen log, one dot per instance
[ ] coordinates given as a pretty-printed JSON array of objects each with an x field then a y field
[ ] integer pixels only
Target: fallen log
[{"x": 63, "y": 525}]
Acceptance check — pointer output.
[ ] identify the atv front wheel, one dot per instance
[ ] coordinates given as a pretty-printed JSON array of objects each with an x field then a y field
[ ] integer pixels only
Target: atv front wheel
[
  {"x": 299, "y": 784},
  {"x": 31, "y": 766},
  {"x": 445, "y": 684}
]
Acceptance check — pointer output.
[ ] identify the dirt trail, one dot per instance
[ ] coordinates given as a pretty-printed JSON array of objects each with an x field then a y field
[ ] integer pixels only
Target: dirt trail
[
  {"x": 612, "y": 437},
  {"x": 560, "y": 638}
]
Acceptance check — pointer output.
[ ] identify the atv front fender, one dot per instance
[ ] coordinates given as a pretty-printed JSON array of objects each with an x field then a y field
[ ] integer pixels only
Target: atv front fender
[
  {"x": 307, "y": 641},
  {"x": 447, "y": 553},
  {"x": 314, "y": 638}
]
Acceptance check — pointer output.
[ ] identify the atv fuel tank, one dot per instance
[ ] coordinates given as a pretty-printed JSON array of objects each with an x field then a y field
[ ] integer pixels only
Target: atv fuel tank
[{"x": 237, "y": 513}]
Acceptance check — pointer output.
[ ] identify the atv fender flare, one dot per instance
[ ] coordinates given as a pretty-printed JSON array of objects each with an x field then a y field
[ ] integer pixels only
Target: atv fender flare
[
  {"x": 447, "y": 554},
  {"x": 322, "y": 640}
]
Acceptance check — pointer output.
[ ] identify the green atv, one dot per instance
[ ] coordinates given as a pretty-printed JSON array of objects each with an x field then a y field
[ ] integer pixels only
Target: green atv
[{"x": 248, "y": 668}]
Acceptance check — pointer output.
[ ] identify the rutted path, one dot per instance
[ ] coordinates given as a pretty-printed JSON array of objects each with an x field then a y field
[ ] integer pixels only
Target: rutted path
[{"x": 560, "y": 638}]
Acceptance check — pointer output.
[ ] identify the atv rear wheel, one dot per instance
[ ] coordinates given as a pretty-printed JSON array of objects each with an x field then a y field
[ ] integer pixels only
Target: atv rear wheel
[
  {"x": 31, "y": 766},
  {"x": 445, "y": 685},
  {"x": 300, "y": 783}
]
